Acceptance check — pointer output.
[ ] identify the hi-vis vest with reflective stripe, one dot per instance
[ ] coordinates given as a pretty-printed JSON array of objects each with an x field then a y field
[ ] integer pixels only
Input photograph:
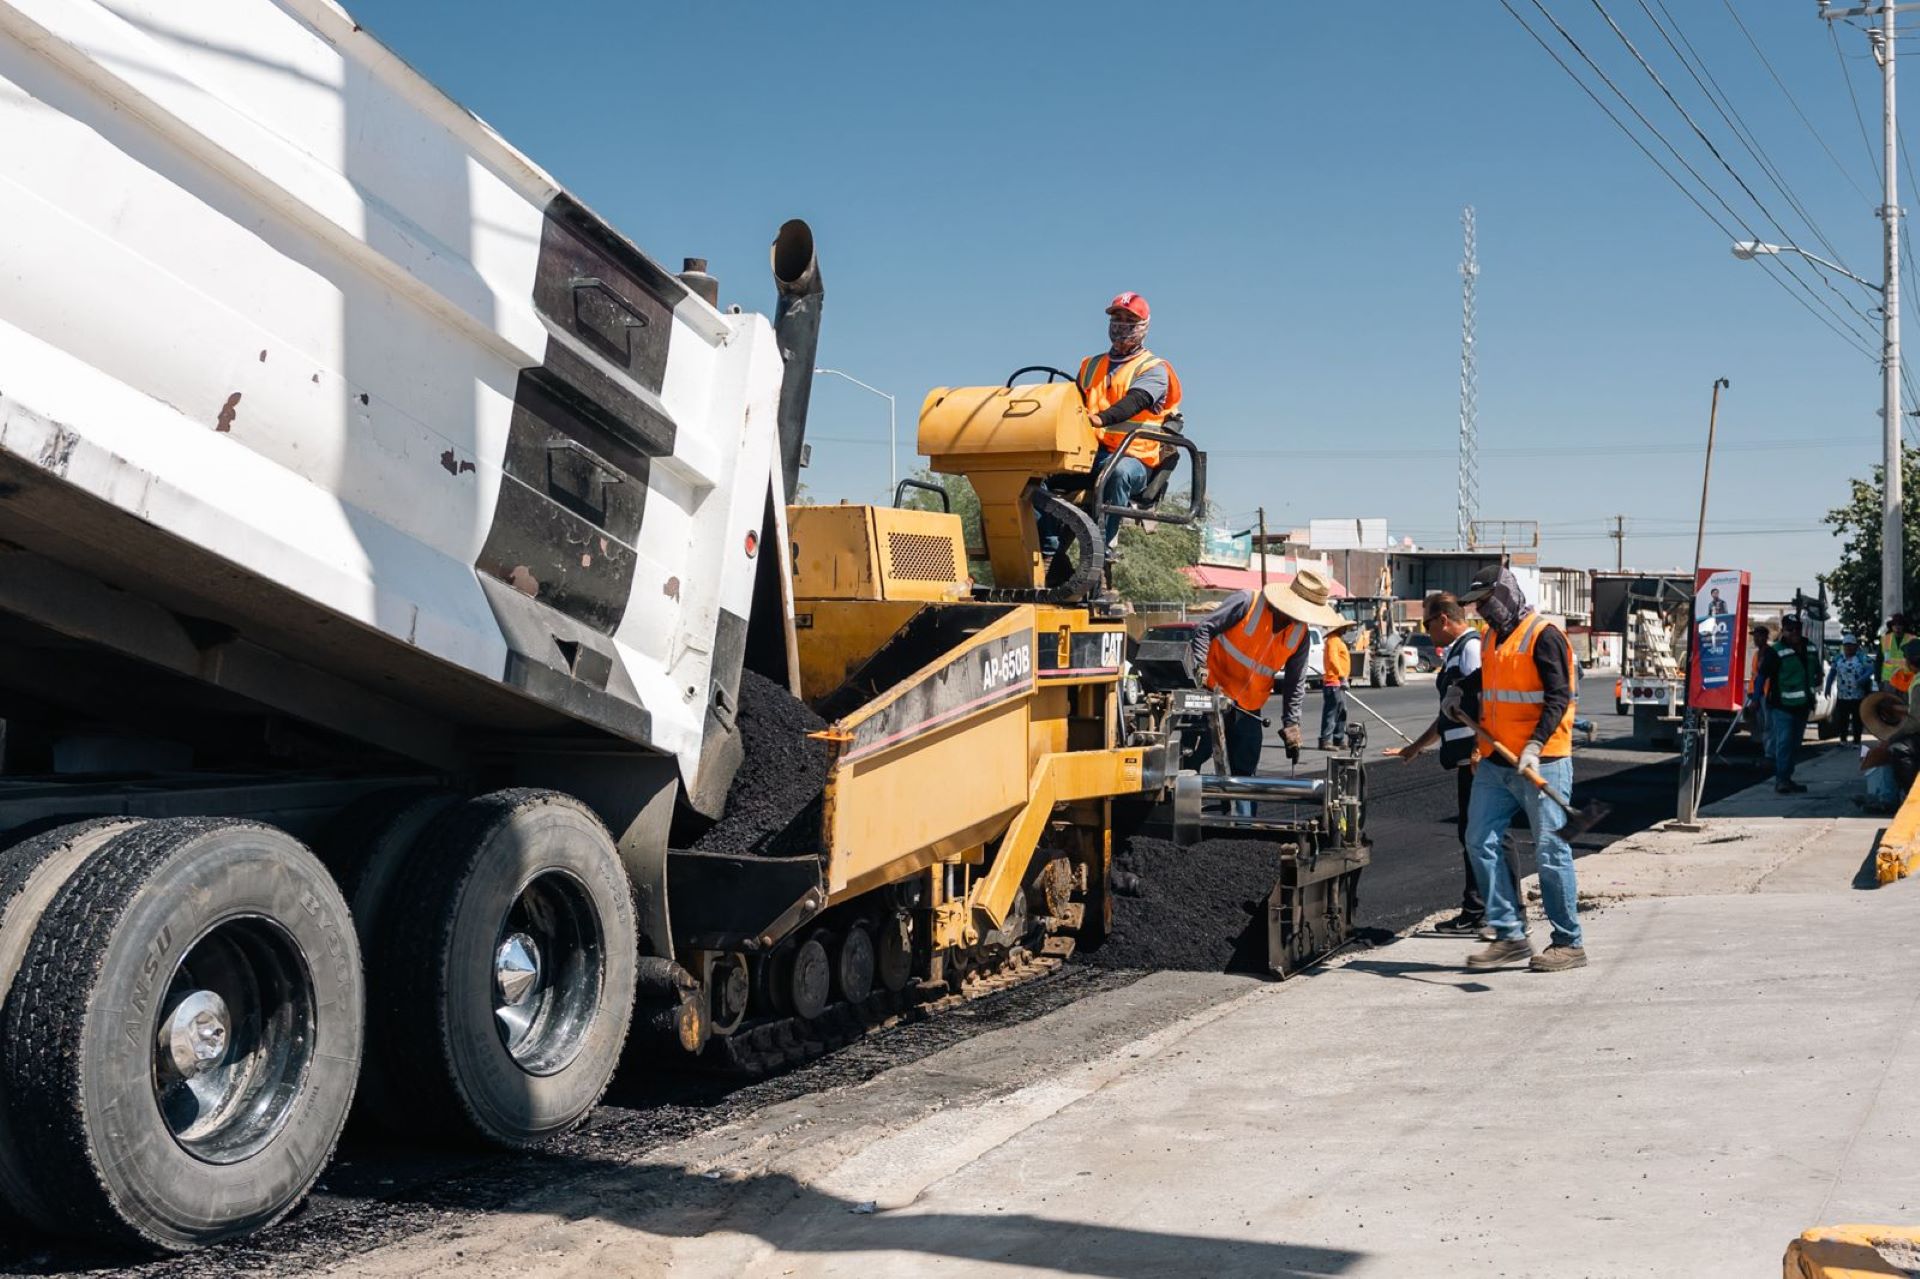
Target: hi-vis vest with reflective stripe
[
  {"x": 1244, "y": 659},
  {"x": 1105, "y": 386},
  {"x": 1892, "y": 660},
  {"x": 1512, "y": 696}
]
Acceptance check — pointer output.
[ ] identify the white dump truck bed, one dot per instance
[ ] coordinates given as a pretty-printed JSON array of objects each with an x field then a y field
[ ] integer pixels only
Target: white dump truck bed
[{"x": 296, "y": 348}]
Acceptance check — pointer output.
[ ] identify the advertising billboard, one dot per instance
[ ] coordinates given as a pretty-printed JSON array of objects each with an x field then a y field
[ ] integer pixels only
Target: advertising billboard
[{"x": 1717, "y": 675}]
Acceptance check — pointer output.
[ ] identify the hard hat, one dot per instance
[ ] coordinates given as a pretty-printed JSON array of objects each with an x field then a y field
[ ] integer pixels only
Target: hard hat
[{"x": 1133, "y": 304}]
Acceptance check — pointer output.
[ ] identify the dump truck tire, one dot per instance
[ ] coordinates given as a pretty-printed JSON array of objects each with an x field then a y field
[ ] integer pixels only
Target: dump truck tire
[
  {"x": 184, "y": 1033},
  {"x": 370, "y": 840},
  {"x": 31, "y": 872},
  {"x": 500, "y": 999},
  {"x": 366, "y": 846}
]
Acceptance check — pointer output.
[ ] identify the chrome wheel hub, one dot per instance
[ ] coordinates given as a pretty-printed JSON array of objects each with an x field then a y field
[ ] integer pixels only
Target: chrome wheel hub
[
  {"x": 547, "y": 972},
  {"x": 195, "y": 1038},
  {"x": 234, "y": 1039}
]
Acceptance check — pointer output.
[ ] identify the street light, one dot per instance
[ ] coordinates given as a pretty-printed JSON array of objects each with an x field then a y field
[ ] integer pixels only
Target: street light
[
  {"x": 1748, "y": 250},
  {"x": 1892, "y": 532},
  {"x": 893, "y": 475}
]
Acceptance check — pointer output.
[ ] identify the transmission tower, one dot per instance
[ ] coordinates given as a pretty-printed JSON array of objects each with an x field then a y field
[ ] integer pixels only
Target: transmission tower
[{"x": 1469, "y": 391}]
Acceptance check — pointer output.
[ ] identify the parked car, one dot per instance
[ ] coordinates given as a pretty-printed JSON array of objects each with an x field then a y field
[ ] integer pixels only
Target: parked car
[{"x": 1420, "y": 653}]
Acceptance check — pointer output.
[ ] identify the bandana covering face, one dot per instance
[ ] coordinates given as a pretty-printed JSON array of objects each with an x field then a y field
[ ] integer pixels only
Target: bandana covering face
[
  {"x": 1126, "y": 335},
  {"x": 1506, "y": 606}
]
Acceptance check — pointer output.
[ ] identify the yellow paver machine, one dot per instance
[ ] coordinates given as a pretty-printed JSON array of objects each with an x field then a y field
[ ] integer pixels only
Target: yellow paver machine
[{"x": 987, "y": 745}]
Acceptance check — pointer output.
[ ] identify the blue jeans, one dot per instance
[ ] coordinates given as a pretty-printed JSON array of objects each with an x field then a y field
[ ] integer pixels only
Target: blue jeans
[
  {"x": 1333, "y": 712},
  {"x": 1123, "y": 486},
  {"x": 1498, "y": 793},
  {"x": 1762, "y": 729},
  {"x": 1785, "y": 730}
]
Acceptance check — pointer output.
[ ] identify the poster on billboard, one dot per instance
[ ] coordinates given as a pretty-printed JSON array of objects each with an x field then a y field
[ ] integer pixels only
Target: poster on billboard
[
  {"x": 1224, "y": 548},
  {"x": 1717, "y": 675}
]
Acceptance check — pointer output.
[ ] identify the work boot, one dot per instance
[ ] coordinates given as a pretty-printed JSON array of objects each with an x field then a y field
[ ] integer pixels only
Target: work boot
[
  {"x": 1461, "y": 925},
  {"x": 1789, "y": 788},
  {"x": 1557, "y": 959},
  {"x": 1500, "y": 953},
  {"x": 1325, "y": 745}
]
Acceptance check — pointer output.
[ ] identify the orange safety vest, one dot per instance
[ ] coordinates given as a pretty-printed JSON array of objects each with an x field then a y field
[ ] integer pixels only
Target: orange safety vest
[
  {"x": 1512, "y": 696},
  {"x": 1902, "y": 680},
  {"x": 1243, "y": 660},
  {"x": 1105, "y": 386},
  {"x": 1338, "y": 665}
]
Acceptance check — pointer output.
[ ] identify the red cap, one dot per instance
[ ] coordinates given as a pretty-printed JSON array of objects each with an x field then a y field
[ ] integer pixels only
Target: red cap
[{"x": 1133, "y": 304}]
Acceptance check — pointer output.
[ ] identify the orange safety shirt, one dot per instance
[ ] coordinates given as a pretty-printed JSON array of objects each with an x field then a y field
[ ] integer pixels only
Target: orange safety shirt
[
  {"x": 1105, "y": 384},
  {"x": 1901, "y": 680},
  {"x": 1512, "y": 696},
  {"x": 1338, "y": 663},
  {"x": 1244, "y": 659}
]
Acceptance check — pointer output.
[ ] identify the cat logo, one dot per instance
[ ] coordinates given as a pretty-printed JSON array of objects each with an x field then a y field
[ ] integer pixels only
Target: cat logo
[
  {"x": 1007, "y": 667},
  {"x": 1113, "y": 647}
]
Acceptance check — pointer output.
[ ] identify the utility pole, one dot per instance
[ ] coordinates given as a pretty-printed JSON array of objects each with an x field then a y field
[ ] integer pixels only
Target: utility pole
[
  {"x": 1693, "y": 752},
  {"x": 1706, "y": 473},
  {"x": 1619, "y": 536},
  {"x": 1892, "y": 533},
  {"x": 1469, "y": 388}
]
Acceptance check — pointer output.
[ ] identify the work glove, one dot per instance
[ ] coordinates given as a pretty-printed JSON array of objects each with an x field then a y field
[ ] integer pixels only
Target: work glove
[
  {"x": 1530, "y": 758},
  {"x": 1451, "y": 703},
  {"x": 1290, "y": 734}
]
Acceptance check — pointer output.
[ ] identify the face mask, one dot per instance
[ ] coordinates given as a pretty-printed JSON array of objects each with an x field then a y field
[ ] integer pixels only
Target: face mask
[
  {"x": 1504, "y": 608},
  {"x": 1126, "y": 335}
]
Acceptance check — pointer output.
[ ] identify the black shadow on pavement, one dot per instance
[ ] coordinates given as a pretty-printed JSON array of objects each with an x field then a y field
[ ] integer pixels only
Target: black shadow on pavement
[
  {"x": 796, "y": 1218},
  {"x": 1410, "y": 971}
]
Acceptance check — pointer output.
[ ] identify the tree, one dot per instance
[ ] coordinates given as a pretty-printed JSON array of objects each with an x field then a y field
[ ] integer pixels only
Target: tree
[
  {"x": 1855, "y": 585},
  {"x": 1150, "y": 564}
]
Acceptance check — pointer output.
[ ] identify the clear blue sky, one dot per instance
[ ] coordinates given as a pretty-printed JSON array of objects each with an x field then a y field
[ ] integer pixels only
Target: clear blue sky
[{"x": 1284, "y": 183}]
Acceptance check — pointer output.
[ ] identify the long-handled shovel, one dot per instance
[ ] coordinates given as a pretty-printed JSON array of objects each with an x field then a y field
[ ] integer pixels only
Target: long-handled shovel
[
  {"x": 1579, "y": 820},
  {"x": 1395, "y": 728}
]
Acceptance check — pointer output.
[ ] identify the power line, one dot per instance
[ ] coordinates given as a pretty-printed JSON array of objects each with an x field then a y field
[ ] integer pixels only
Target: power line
[
  {"x": 1723, "y": 104},
  {"x": 1739, "y": 181},
  {"x": 1847, "y": 334},
  {"x": 1791, "y": 100},
  {"x": 1873, "y": 163}
]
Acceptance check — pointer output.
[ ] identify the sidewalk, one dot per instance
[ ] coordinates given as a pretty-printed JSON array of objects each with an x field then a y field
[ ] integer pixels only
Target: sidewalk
[
  {"x": 1755, "y": 841},
  {"x": 1736, "y": 1065}
]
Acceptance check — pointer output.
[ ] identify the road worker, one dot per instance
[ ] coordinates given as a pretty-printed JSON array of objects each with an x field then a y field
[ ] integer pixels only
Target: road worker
[
  {"x": 1446, "y": 622},
  {"x": 1126, "y": 386},
  {"x": 1526, "y": 705},
  {"x": 1247, "y": 645},
  {"x": 1892, "y": 643},
  {"x": 1336, "y": 666}
]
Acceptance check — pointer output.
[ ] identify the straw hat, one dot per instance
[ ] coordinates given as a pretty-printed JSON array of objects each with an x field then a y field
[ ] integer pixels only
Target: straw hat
[
  {"x": 1304, "y": 599},
  {"x": 1883, "y": 712}
]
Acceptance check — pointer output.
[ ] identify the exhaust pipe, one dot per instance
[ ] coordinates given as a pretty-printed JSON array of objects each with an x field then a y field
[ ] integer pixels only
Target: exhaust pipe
[{"x": 796, "y": 326}]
